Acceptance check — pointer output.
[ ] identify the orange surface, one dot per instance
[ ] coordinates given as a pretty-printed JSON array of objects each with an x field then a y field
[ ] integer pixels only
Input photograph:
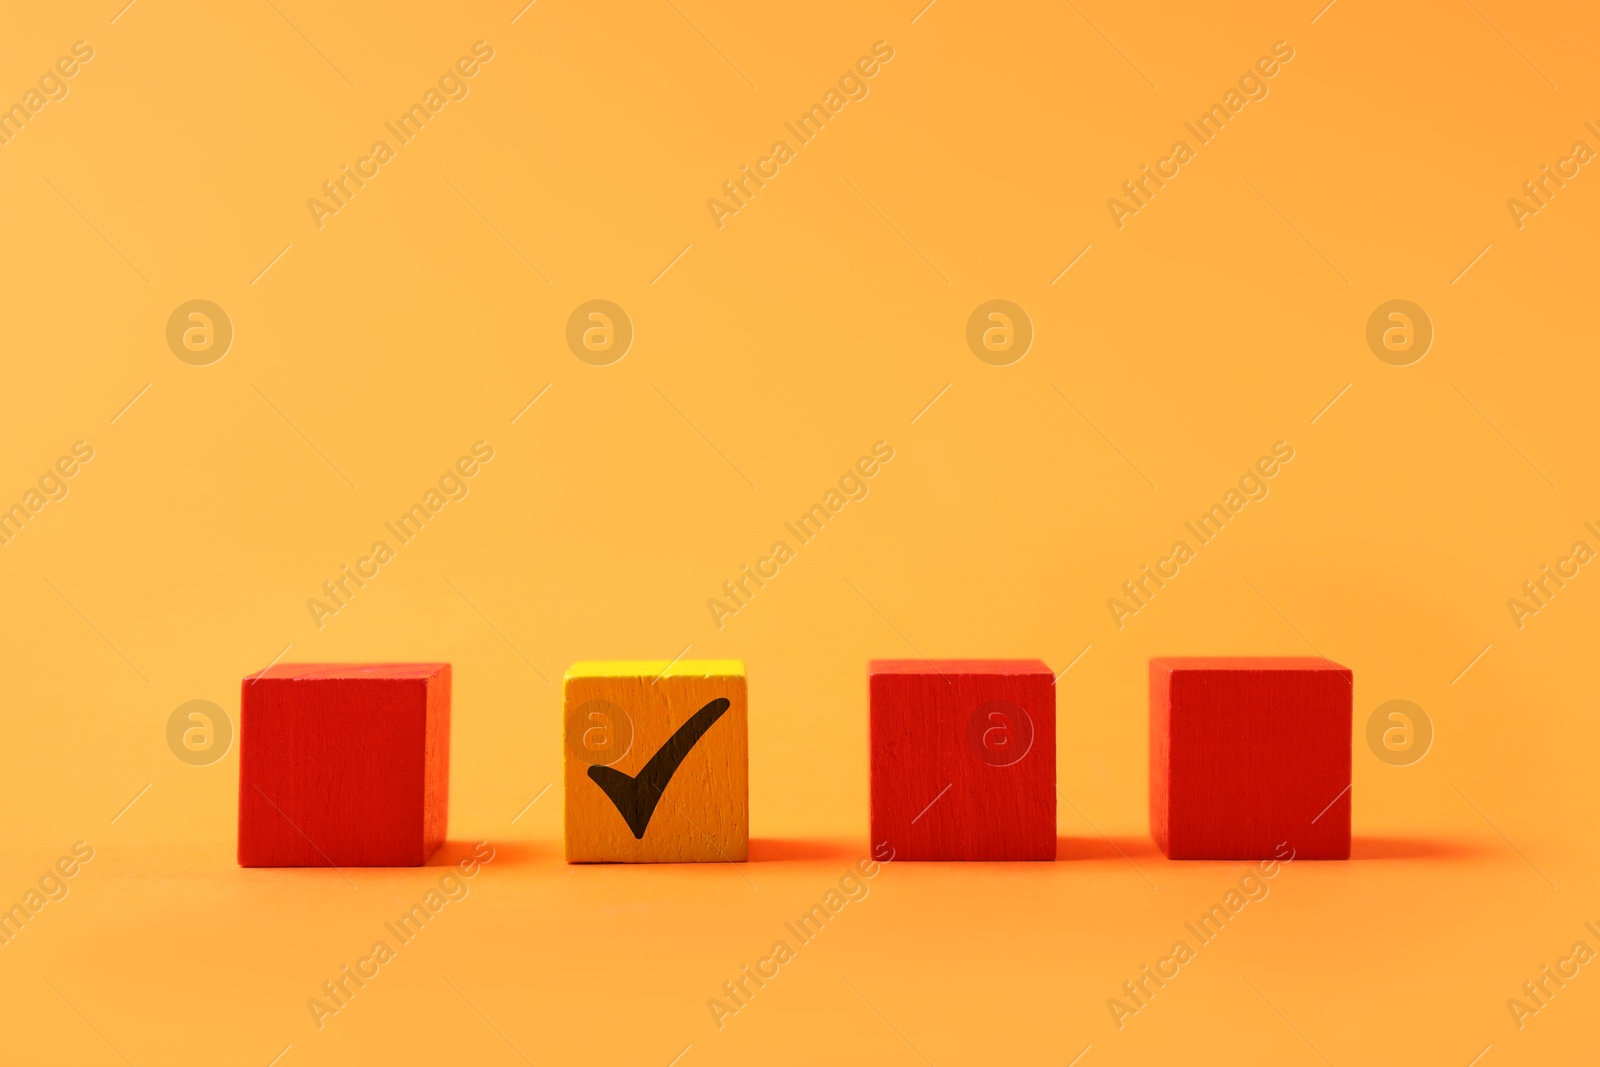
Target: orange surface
[{"x": 762, "y": 361}]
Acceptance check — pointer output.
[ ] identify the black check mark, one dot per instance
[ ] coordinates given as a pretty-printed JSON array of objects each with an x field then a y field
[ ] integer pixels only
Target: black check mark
[{"x": 636, "y": 797}]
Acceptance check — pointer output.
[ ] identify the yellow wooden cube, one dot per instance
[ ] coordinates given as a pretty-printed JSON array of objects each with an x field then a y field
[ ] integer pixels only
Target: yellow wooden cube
[{"x": 657, "y": 761}]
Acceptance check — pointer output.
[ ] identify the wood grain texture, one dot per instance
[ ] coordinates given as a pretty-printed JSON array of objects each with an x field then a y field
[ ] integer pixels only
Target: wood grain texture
[
  {"x": 693, "y": 799},
  {"x": 1248, "y": 754},
  {"x": 344, "y": 765},
  {"x": 955, "y": 774}
]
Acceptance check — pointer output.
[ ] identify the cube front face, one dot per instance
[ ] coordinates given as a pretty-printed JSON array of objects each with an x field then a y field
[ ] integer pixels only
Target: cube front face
[
  {"x": 1248, "y": 756},
  {"x": 344, "y": 765},
  {"x": 963, "y": 759},
  {"x": 656, "y": 762}
]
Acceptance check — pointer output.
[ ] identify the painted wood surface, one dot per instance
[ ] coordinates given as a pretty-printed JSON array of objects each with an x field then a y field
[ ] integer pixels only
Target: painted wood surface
[
  {"x": 963, "y": 759},
  {"x": 656, "y": 762},
  {"x": 1249, "y": 754},
  {"x": 344, "y": 765}
]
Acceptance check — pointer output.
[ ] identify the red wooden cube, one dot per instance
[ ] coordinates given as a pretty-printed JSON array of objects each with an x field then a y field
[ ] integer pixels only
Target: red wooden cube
[
  {"x": 344, "y": 765},
  {"x": 1247, "y": 755},
  {"x": 963, "y": 759}
]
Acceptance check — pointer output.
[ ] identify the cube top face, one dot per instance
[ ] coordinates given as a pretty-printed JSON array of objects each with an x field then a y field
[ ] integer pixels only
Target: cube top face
[
  {"x": 656, "y": 668},
  {"x": 344, "y": 765},
  {"x": 656, "y": 766},
  {"x": 957, "y": 666},
  {"x": 1245, "y": 663},
  {"x": 963, "y": 759},
  {"x": 311, "y": 672},
  {"x": 1248, "y": 755}
]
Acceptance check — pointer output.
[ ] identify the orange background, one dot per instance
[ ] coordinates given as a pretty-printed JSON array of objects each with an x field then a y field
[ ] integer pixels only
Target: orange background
[{"x": 768, "y": 355}]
